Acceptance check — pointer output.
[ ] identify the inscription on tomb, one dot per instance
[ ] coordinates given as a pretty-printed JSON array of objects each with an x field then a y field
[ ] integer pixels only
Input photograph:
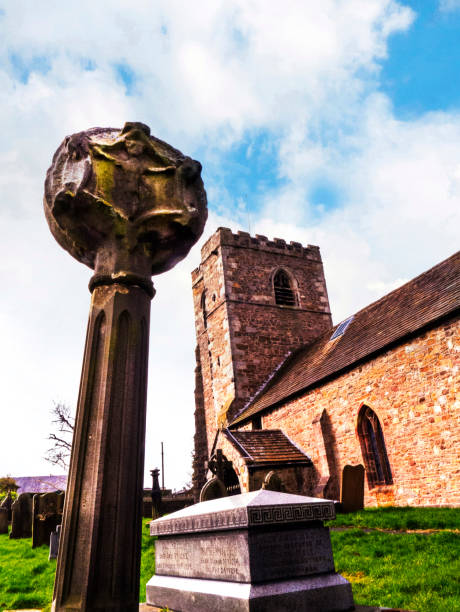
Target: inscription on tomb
[
  {"x": 221, "y": 556},
  {"x": 243, "y": 557}
]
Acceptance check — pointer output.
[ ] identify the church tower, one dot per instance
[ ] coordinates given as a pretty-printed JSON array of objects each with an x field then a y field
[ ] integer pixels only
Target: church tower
[{"x": 255, "y": 301}]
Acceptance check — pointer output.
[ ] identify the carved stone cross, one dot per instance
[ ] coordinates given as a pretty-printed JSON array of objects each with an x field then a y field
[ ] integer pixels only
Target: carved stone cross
[{"x": 129, "y": 206}]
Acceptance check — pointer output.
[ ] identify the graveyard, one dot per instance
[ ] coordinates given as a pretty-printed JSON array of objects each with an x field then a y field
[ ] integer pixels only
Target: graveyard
[
  {"x": 401, "y": 558},
  {"x": 131, "y": 206},
  {"x": 256, "y": 265}
]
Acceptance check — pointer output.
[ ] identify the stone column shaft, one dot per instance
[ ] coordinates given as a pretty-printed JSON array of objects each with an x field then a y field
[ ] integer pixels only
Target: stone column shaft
[
  {"x": 129, "y": 206},
  {"x": 99, "y": 556}
]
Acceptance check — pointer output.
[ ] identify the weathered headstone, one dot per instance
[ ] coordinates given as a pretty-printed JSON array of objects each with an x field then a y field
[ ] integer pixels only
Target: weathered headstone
[
  {"x": 54, "y": 543},
  {"x": 3, "y": 520},
  {"x": 261, "y": 551},
  {"x": 7, "y": 502},
  {"x": 129, "y": 206},
  {"x": 47, "y": 514},
  {"x": 21, "y": 516},
  {"x": 352, "y": 489},
  {"x": 273, "y": 482},
  {"x": 214, "y": 488}
]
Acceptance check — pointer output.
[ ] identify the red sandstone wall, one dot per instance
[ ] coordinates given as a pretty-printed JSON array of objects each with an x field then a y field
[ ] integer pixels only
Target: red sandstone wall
[
  {"x": 239, "y": 464},
  {"x": 262, "y": 332},
  {"x": 414, "y": 391},
  {"x": 213, "y": 344}
]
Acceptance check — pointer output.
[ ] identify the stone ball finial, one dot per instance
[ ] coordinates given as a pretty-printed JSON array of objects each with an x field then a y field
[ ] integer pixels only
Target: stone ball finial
[{"x": 124, "y": 202}]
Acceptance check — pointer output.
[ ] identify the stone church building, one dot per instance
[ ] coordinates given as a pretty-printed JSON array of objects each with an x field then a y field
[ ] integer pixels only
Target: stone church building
[{"x": 281, "y": 392}]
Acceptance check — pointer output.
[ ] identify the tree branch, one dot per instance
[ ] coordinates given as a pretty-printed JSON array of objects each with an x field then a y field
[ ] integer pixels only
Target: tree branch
[{"x": 64, "y": 421}]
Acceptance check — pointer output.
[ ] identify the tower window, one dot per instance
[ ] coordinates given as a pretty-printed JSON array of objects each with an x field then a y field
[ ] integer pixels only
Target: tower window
[
  {"x": 373, "y": 448},
  {"x": 284, "y": 294},
  {"x": 203, "y": 309}
]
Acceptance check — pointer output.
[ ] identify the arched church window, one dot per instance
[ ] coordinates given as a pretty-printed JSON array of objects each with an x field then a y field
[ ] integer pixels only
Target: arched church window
[
  {"x": 203, "y": 309},
  {"x": 284, "y": 291},
  {"x": 373, "y": 448}
]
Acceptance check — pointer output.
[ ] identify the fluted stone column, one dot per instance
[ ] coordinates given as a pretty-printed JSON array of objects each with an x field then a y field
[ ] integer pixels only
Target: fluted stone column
[{"x": 129, "y": 206}]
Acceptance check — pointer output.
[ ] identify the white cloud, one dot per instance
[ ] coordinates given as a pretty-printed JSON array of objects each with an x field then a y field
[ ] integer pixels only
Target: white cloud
[
  {"x": 305, "y": 73},
  {"x": 400, "y": 207}
]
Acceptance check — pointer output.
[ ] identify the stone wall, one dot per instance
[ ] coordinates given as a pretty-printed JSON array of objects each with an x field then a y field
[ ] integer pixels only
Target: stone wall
[
  {"x": 201, "y": 451},
  {"x": 413, "y": 390}
]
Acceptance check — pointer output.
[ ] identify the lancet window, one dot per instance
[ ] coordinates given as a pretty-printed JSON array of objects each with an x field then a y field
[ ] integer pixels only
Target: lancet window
[
  {"x": 373, "y": 448},
  {"x": 203, "y": 309},
  {"x": 283, "y": 288}
]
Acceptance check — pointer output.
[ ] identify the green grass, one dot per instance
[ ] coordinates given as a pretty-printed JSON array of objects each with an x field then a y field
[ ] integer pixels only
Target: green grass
[
  {"x": 401, "y": 518},
  {"x": 147, "y": 558},
  {"x": 27, "y": 577},
  {"x": 411, "y": 571}
]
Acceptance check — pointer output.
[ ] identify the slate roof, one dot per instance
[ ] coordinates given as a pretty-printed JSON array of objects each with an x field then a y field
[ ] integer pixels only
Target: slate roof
[
  {"x": 40, "y": 484},
  {"x": 266, "y": 446},
  {"x": 406, "y": 311}
]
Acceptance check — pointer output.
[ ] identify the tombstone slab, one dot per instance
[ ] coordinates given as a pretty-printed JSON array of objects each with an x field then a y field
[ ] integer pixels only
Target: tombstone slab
[
  {"x": 352, "y": 490},
  {"x": 54, "y": 543},
  {"x": 3, "y": 520},
  {"x": 21, "y": 516},
  {"x": 261, "y": 551},
  {"x": 7, "y": 503},
  {"x": 47, "y": 514}
]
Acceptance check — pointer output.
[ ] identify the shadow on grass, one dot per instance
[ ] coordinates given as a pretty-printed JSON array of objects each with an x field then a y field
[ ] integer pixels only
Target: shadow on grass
[{"x": 410, "y": 571}]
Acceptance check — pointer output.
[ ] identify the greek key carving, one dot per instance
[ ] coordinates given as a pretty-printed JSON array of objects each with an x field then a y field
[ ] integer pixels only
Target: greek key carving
[{"x": 245, "y": 517}]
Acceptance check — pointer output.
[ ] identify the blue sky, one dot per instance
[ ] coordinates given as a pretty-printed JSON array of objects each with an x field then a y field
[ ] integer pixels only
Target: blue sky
[
  {"x": 334, "y": 123},
  {"x": 422, "y": 70}
]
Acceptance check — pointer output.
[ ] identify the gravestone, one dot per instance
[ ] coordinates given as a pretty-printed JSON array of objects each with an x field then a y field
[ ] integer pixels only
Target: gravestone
[
  {"x": 214, "y": 488},
  {"x": 260, "y": 551},
  {"x": 7, "y": 503},
  {"x": 273, "y": 482},
  {"x": 21, "y": 516},
  {"x": 352, "y": 489},
  {"x": 47, "y": 514},
  {"x": 54, "y": 543},
  {"x": 3, "y": 520}
]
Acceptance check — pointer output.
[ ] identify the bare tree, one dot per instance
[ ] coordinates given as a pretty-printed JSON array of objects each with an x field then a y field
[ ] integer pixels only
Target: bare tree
[{"x": 63, "y": 422}]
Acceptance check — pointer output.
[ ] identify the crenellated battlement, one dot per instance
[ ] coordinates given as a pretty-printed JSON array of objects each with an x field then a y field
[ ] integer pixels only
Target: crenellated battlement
[{"x": 225, "y": 237}]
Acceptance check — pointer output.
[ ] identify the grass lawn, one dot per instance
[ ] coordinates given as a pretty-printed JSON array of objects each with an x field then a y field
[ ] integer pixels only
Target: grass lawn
[
  {"x": 27, "y": 577},
  {"x": 408, "y": 570},
  {"x": 411, "y": 571},
  {"x": 401, "y": 518}
]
